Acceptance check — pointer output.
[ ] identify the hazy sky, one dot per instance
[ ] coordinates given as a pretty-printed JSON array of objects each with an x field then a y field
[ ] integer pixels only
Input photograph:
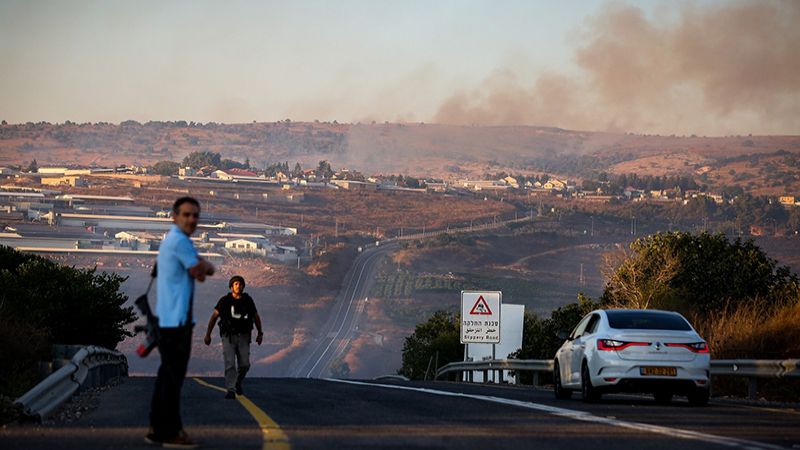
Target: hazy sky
[{"x": 585, "y": 64}]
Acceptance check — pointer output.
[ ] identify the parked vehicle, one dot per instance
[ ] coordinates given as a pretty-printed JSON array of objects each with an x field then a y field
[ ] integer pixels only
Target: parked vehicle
[{"x": 623, "y": 350}]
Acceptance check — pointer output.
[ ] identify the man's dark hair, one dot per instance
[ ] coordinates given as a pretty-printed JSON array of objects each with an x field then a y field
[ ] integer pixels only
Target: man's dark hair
[{"x": 177, "y": 205}]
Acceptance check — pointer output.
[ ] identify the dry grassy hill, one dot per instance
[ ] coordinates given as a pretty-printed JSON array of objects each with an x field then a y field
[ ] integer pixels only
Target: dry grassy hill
[{"x": 420, "y": 149}]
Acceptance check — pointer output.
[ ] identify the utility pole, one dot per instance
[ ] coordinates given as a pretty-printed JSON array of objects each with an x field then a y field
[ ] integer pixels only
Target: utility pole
[
  {"x": 582, "y": 281},
  {"x": 592, "y": 232}
]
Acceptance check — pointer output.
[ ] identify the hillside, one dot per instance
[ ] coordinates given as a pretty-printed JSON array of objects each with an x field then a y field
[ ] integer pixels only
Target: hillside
[{"x": 444, "y": 151}]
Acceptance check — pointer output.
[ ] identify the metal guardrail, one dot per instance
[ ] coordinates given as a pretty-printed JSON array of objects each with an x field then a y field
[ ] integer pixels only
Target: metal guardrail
[
  {"x": 91, "y": 366},
  {"x": 752, "y": 369},
  {"x": 466, "y": 368},
  {"x": 757, "y": 368}
]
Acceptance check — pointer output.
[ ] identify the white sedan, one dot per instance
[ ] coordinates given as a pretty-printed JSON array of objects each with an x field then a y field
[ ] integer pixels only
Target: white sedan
[{"x": 633, "y": 350}]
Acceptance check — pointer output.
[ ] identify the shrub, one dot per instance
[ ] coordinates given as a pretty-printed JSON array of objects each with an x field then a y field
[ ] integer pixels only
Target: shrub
[
  {"x": 439, "y": 334},
  {"x": 42, "y": 303}
]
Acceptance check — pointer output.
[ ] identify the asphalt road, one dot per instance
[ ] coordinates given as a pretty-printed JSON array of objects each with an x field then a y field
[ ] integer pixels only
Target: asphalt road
[
  {"x": 346, "y": 311},
  {"x": 328, "y": 414}
]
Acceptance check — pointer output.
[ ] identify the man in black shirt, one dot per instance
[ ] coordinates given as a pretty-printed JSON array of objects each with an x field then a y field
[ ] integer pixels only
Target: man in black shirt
[{"x": 237, "y": 313}]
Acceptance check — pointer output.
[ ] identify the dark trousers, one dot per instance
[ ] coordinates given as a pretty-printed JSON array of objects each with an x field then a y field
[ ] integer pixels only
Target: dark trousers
[{"x": 175, "y": 347}]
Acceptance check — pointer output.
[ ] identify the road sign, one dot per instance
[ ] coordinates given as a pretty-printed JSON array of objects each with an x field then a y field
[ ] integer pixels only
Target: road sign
[{"x": 480, "y": 317}]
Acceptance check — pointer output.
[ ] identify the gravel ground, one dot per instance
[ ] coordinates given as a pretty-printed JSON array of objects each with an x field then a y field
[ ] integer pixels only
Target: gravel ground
[{"x": 81, "y": 403}]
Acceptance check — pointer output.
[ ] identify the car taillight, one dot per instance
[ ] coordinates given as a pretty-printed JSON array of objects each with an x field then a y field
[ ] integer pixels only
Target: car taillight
[
  {"x": 614, "y": 345},
  {"x": 695, "y": 347}
]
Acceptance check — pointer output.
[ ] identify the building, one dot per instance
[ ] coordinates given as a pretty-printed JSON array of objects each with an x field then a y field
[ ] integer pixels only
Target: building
[
  {"x": 52, "y": 170},
  {"x": 484, "y": 185},
  {"x": 555, "y": 184},
  {"x": 137, "y": 240},
  {"x": 355, "y": 185},
  {"x": 788, "y": 200},
  {"x": 222, "y": 175},
  {"x": 241, "y": 173},
  {"x": 511, "y": 181},
  {"x": 64, "y": 180},
  {"x": 186, "y": 172},
  {"x": 246, "y": 246},
  {"x": 436, "y": 186}
]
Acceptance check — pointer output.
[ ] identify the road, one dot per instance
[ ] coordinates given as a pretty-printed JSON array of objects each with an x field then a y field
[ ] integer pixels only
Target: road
[
  {"x": 335, "y": 414},
  {"x": 340, "y": 327}
]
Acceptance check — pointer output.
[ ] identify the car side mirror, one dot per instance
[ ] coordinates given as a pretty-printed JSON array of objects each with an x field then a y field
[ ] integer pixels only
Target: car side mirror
[{"x": 562, "y": 334}]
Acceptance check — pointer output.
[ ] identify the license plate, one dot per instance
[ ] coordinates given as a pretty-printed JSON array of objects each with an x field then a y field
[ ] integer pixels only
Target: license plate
[{"x": 659, "y": 371}]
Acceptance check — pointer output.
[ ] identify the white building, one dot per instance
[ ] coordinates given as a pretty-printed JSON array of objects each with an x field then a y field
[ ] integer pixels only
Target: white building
[
  {"x": 246, "y": 246},
  {"x": 137, "y": 240}
]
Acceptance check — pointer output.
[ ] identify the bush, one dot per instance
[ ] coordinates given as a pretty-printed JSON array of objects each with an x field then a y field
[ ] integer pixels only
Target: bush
[
  {"x": 439, "y": 334},
  {"x": 75, "y": 306},
  {"x": 750, "y": 332},
  {"x": 42, "y": 303},
  {"x": 697, "y": 273}
]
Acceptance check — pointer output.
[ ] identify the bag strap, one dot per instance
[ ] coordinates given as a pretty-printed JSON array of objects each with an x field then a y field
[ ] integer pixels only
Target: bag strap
[{"x": 153, "y": 275}]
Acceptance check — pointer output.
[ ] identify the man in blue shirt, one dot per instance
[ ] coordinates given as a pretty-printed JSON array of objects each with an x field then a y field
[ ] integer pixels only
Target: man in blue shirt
[{"x": 179, "y": 266}]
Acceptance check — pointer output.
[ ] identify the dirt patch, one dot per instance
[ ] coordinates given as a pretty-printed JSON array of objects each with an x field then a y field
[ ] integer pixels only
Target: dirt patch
[
  {"x": 257, "y": 272},
  {"x": 299, "y": 338}
]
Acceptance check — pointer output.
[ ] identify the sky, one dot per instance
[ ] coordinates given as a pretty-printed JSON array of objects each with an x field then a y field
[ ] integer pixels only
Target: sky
[{"x": 651, "y": 66}]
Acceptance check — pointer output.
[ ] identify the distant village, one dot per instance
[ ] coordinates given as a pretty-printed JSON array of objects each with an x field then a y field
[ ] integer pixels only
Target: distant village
[{"x": 37, "y": 215}]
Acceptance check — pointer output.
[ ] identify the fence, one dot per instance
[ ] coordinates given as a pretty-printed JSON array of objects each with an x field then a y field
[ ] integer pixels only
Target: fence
[
  {"x": 752, "y": 369},
  {"x": 91, "y": 366}
]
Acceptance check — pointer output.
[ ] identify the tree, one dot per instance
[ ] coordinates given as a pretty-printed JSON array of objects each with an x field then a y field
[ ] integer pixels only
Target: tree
[
  {"x": 698, "y": 273},
  {"x": 226, "y": 164},
  {"x": 324, "y": 169},
  {"x": 638, "y": 279},
  {"x": 44, "y": 303},
  {"x": 197, "y": 160},
  {"x": 298, "y": 170},
  {"x": 33, "y": 167},
  {"x": 166, "y": 168},
  {"x": 76, "y": 306},
  {"x": 439, "y": 334},
  {"x": 412, "y": 183}
]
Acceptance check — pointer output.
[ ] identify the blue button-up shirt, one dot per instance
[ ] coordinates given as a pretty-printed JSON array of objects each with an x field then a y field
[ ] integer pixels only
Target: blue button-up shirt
[{"x": 174, "y": 285}]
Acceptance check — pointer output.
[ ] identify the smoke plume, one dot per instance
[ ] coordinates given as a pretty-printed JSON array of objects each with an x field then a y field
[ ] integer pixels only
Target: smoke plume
[{"x": 726, "y": 69}]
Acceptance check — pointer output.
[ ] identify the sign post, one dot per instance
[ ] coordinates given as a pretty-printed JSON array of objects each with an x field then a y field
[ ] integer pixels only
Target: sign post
[{"x": 480, "y": 317}]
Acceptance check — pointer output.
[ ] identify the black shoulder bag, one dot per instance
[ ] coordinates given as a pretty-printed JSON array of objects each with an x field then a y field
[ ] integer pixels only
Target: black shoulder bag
[{"x": 152, "y": 335}]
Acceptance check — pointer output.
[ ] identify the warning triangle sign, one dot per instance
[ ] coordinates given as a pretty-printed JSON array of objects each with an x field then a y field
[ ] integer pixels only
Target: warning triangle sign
[{"x": 481, "y": 308}]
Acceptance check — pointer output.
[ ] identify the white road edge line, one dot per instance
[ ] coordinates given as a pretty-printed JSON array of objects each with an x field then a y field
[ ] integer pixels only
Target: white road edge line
[
  {"x": 586, "y": 417},
  {"x": 344, "y": 319}
]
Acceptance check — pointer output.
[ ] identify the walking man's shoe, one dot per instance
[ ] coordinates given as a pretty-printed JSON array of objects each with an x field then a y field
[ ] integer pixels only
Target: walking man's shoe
[
  {"x": 239, "y": 388},
  {"x": 180, "y": 441},
  {"x": 230, "y": 394},
  {"x": 152, "y": 439}
]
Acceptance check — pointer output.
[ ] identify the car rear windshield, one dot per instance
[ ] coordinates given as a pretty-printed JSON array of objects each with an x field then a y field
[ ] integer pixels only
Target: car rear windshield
[{"x": 638, "y": 320}]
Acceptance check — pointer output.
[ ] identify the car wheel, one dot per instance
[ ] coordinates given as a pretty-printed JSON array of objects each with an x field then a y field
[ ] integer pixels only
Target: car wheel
[
  {"x": 699, "y": 397},
  {"x": 663, "y": 398},
  {"x": 561, "y": 393},
  {"x": 590, "y": 393}
]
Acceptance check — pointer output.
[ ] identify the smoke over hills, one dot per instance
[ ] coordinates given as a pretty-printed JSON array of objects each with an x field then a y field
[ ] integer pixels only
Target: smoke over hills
[{"x": 725, "y": 69}]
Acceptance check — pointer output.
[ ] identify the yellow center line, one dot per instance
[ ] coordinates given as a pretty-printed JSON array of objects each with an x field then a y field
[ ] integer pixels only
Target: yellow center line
[{"x": 273, "y": 437}]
